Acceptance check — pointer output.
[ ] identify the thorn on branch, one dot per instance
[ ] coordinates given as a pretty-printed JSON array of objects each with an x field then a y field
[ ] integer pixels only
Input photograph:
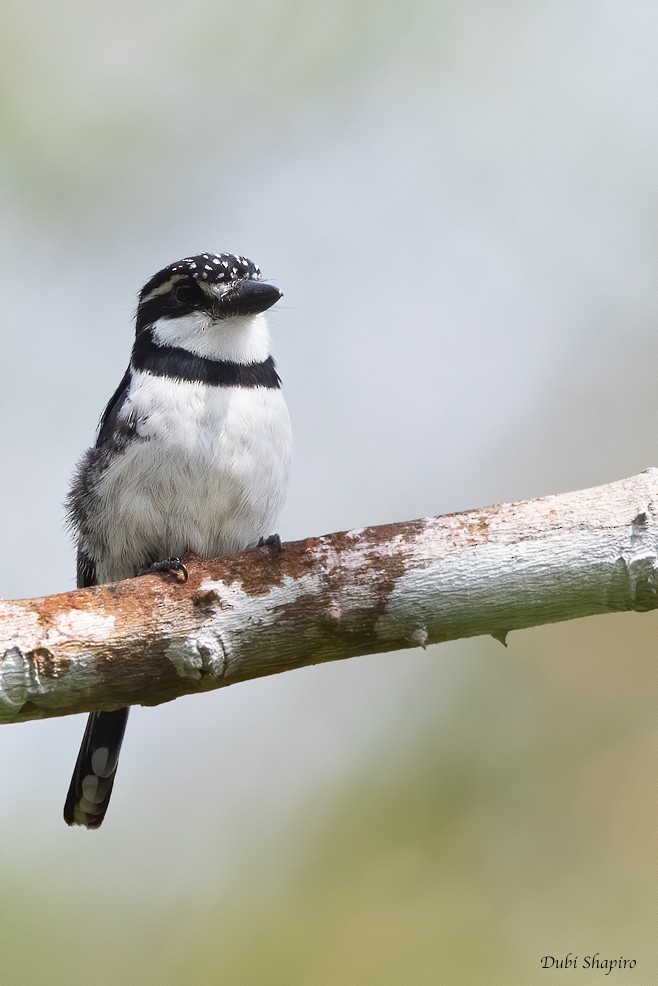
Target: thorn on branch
[
  {"x": 419, "y": 637},
  {"x": 333, "y": 613}
]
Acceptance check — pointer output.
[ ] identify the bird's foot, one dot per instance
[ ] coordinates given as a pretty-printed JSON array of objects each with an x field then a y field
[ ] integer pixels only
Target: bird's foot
[
  {"x": 166, "y": 565},
  {"x": 273, "y": 541}
]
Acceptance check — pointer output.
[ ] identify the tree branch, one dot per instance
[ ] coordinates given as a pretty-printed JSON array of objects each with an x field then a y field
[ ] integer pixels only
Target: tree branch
[{"x": 149, "y": 640}]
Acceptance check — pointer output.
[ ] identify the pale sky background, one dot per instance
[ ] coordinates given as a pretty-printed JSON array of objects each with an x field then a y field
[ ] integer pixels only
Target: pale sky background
[{"x": 458, "y": 201}]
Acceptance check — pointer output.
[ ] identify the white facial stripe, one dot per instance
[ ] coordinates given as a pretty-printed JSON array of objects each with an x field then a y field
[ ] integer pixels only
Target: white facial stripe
[{"x": 163, "y": 288}]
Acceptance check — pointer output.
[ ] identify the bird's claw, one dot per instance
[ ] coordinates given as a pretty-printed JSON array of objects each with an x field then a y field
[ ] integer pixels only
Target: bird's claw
[
  {"x": 166, "y": 565},
  {"x": 273, "y": 541}
]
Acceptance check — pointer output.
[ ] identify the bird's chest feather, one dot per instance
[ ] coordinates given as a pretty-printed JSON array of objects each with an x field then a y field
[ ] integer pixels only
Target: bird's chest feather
[{"x": 206, "y": 469}]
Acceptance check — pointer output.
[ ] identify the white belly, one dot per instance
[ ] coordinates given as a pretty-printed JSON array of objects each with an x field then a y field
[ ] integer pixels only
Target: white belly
[{"x": 207, "y": 472}]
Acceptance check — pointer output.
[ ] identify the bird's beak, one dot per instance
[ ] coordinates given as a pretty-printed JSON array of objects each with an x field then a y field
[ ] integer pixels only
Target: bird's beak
[{"x": 246, "y": 297}]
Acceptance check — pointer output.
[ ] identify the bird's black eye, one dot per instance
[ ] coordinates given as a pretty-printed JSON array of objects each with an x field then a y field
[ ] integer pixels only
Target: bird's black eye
[{"x": 186, "y": 293}]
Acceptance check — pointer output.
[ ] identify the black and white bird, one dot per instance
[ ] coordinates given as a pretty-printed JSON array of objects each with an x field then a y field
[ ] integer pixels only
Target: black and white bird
[{"x": 193, "y": 454}]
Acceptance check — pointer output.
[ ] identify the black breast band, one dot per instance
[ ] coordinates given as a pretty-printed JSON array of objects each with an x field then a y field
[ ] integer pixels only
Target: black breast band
[{"x": 179, "y": 364}]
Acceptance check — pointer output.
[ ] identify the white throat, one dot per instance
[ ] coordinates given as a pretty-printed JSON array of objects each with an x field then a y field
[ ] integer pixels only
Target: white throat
[{"x": 240, "y": 339}]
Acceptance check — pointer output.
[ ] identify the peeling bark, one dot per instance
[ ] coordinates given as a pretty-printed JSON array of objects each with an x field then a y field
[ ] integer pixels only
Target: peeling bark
[{"x": 488, "y": 571}]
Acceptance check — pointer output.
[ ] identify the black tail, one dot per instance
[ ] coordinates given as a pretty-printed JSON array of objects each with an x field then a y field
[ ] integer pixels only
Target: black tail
[{"x": 93, "y": 777}]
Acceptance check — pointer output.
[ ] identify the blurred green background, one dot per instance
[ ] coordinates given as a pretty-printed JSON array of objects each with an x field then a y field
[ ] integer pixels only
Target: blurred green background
[{"x": 455, "y": 198}]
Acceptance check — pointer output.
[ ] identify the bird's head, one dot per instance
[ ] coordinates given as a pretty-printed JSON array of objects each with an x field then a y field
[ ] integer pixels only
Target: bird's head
[{"x": 211, "y": 305}]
